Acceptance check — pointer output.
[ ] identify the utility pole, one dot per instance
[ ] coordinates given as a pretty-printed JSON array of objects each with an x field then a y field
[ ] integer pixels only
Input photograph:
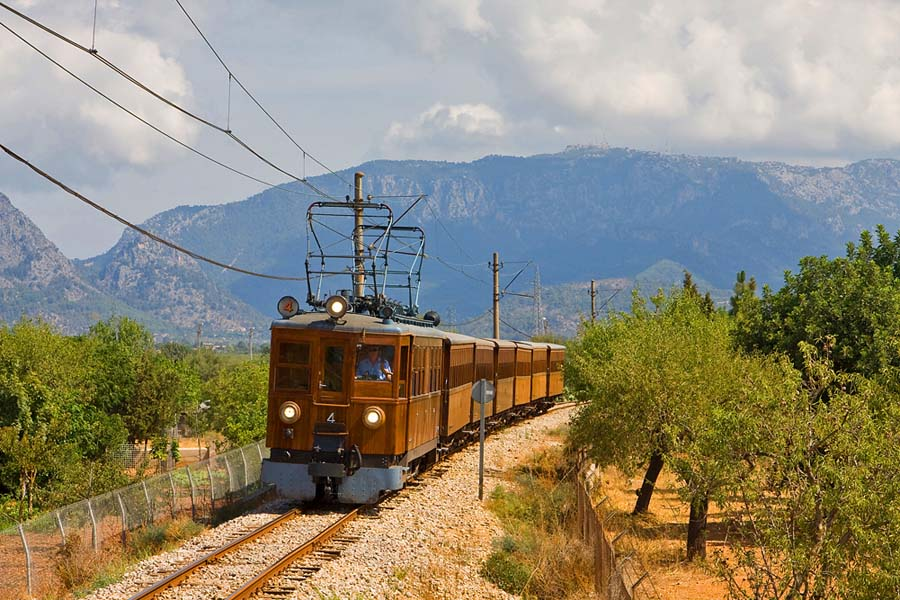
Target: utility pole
[
  {"x": 538, "y": 305},
  {"x": 199, "y": 332},
  {"x": 359, "y": 265},
  {"x": 593, "y": 305},
  {"x": 495, "y": 267},
  {"x": 251, "y": 343}
]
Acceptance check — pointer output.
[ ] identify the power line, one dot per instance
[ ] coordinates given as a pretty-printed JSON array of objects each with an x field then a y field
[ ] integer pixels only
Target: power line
[
  {"x": 148, "y": 123},
  {"x": 225, "y": 130},
  {"x": 231, "y": 75},
  {"x": 140, "y": 229},
  {"x": 470, "y": 321},
  {"x": 447, "y": 231},
  {"x": 452, "y": 268},
  {"x": 519, "y": 331}
]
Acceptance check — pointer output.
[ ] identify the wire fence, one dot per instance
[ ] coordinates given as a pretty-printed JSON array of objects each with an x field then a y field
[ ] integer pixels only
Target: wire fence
[
  {"x": 619, "y": 573},
  {"x": 30, "y": 552}
]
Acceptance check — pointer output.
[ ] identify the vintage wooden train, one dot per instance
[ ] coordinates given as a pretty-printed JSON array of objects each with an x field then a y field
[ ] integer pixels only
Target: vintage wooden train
[{"x": 359, "y": 403}]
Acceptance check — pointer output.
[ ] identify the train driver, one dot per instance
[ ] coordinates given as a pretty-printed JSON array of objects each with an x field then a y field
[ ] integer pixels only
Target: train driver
[{"x": 373, "y": 366}]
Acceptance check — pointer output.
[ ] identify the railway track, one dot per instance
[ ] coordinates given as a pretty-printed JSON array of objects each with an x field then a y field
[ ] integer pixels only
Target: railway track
[
  {"x": 276, "y": 580},
  {"x": 279, "y": 579}
]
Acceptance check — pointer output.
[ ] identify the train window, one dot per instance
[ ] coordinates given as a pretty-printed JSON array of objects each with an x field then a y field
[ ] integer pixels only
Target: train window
[
  {"x": 295, "y": 353},
  {"x": 292, "y": 368},
  {"x": 292, "y": 378},
  {"x": 333, "y": 369},
  {"x": 374, "y": 362}
]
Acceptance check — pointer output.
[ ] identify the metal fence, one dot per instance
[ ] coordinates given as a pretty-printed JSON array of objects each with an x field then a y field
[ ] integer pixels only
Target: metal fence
[
  {"x": 617, "y": 576},
  {"x": 30, "y": 552}
]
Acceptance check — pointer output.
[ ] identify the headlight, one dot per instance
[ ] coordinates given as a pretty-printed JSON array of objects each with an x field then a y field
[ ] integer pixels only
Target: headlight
[
  {"x": 336, "y": 306},
  {"x": 289, "y": 412},
  {"x": 373, "y": 417}
]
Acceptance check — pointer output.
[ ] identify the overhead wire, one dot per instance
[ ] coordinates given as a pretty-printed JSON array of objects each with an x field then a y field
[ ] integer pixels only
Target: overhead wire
[
  {"x": 470, "y": 321},
  {"x": 519, "y": 331},
  {"x": 162, "y": 132},
  {"x": 231, "y": 75},
  {"x": 141, "y": 230},
  {"x": 124, "y": 74}
]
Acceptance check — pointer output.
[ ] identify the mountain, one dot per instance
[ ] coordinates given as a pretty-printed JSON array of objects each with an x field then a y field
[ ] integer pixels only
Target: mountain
[
  {"x": 609, "y": 214},
  {"x": 37, "y": 280}
]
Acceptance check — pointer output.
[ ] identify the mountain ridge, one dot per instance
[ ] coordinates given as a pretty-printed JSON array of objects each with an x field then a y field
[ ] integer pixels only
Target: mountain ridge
[{"x": 583, "y": 213}]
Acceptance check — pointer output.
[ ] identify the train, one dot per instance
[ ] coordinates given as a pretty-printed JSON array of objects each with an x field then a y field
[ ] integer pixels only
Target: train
[{"x": 358, "y": 403}]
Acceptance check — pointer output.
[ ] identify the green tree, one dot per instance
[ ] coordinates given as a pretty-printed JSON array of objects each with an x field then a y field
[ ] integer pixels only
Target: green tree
[
  {"x": 667, "y": 387},
  {"x": 820, "y": 504},
  {"x": 855, "y": 300},
  {"x": 238, "y": 399}
]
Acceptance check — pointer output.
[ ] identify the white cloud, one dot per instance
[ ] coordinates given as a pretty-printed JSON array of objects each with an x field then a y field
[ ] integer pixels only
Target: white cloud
[
  {"x": 772, "y": 78},
  {"x": 59, "y": 123},
  {"x": 458, "y": 127}
]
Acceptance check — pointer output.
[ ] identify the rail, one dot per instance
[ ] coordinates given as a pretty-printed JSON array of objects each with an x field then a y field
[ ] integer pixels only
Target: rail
[
  {"x": 257, "y": 583},
  {"x": 181, "y": 574}
]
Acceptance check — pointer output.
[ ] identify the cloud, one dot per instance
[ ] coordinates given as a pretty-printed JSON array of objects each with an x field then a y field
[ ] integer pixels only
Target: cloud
[
  {"x": 772, "y": 78},
  {"x": 49, "y": 117},
  {"x": 458, "y": 127}
]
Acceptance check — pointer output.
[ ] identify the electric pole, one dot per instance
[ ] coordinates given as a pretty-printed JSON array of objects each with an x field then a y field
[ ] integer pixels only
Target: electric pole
[
  {"x": 199, "y": 332},
  {"x": 359, "y": 266},
  {"x": 593, "y": 305},
  {"x": 251, "y": 343},
  {"x": 495, "y": 267},
  {"x": 538, "y": 305}
]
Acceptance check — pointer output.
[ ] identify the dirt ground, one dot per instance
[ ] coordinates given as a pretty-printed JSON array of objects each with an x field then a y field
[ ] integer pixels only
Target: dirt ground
[{"x": 659, "y": 538}]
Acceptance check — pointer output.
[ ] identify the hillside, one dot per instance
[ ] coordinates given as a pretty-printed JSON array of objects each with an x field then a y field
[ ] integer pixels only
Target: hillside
[{"x": 581, "y": 214}]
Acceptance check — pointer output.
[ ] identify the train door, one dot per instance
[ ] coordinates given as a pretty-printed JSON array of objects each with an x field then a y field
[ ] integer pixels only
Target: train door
[{"x": 333, "y": 355}]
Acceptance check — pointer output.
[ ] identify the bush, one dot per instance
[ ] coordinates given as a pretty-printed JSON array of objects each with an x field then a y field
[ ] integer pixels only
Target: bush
[{"x": 503, "y": 570}]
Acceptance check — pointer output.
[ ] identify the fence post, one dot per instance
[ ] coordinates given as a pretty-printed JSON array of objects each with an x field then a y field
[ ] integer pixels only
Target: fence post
[
  {"x": 228, "y": 470},
  {"x": 62, "y": 531},
  {"x": 212, "y": 490},
  {"x": 246, "y": 475},
  {"x": 174, "y": 498},
  {"x": 95, "y": 538},
  {"x": 193, "y": 494},
  {"x": 27, "y": 559},
  {"x": 124, "y": 518},
  {"x": 147, "y": 498}
]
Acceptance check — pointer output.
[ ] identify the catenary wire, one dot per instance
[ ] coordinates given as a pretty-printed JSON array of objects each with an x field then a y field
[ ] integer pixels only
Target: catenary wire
[
  {"x": 519, "y": 331},
  {"x": 255, "y": 101},
  {"x": 151, "y": 125},
  {"x": 144, "y": 87},
  {"x": 140, "y": 229}
]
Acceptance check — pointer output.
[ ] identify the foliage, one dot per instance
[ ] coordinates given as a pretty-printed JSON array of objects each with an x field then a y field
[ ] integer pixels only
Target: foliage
[
  {"x": 855, "y": 300},
  {"x": 667, "y": 382},
  {"x": 238, "y": 398},
  {"x": 821, "y": 503},
  {"x": 536, "y": 557}
]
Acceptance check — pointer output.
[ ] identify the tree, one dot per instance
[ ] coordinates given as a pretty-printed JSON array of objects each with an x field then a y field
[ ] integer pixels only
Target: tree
[
  {"x": 855, "y": 300},
  {"x": 238, "y": 399},
  {"x": 820, "y": 501},
  {"x": 667, "y": 387}
]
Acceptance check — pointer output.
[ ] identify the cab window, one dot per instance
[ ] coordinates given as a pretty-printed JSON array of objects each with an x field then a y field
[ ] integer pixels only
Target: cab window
[{"x": 374, "y": 362}]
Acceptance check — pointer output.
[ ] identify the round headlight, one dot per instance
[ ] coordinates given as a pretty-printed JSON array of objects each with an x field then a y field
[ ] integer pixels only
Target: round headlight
[
  {"x": 288, "y": 307},
  {"x": 289, "y": 412},
  {"x": 373, "y": 417},
  {"x": 336, "y": 306}
]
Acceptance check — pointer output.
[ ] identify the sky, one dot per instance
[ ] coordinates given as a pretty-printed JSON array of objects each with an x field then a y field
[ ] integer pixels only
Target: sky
[{"x": 812, "y": 82}]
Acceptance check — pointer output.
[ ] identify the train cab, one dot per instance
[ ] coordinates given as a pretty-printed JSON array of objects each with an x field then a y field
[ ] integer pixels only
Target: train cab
[{"x": 341, "y": 394}]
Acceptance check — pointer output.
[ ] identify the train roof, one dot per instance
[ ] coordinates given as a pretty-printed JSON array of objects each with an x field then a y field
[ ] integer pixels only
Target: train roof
[{"x": 358, "y": 323}]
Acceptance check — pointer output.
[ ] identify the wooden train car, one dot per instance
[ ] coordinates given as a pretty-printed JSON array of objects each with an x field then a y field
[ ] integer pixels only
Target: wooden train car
[{"x": 358, "y": 403}]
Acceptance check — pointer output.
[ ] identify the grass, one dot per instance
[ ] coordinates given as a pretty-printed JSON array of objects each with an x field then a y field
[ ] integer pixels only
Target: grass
[
  {"x": 540, "y": 555},
  {"x": 81, "y": 572}
]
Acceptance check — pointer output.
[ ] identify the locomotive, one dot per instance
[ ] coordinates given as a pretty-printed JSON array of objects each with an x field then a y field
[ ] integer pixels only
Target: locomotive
[{"x": 363, "y": 394}]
